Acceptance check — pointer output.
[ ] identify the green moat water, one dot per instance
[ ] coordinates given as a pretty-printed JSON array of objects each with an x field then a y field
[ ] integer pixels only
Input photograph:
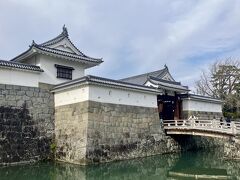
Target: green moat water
[{"x": 208, "y": 165}]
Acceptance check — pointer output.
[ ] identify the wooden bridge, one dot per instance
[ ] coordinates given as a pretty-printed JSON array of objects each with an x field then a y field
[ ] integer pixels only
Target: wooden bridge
[{"x": 211, "y": 128}]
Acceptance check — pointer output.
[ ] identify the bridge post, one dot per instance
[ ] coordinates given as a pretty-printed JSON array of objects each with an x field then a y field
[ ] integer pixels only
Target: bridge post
[
  {"x": 193, "y": 122},
  {"x": 184, "y": 123},
  {"x": 214, "y": 123},
  {"x": 233, "y": 127}
]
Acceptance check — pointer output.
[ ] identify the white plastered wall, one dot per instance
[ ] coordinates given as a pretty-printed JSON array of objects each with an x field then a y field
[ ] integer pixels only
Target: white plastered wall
[
  {"x": 197, "y": 105},
  {"x": 32, "y": 60},
  {"x": 71, "y": 96},
  {"x": 121, "y": 96},
  {"x": 19, "y": 77},
  {"x": 49, "y": 76},
  {"x": 105, "y": 95}
]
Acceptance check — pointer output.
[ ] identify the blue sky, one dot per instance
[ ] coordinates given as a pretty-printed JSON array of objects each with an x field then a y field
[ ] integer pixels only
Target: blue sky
[{"x": 132, "y": 36}]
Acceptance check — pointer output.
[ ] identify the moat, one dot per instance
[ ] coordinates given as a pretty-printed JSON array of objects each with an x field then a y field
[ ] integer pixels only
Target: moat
[{"x": 200, "y": 164}]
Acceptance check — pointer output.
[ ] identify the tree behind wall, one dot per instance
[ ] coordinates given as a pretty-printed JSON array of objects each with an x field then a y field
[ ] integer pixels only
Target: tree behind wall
[{"x": 222, "y": 80}]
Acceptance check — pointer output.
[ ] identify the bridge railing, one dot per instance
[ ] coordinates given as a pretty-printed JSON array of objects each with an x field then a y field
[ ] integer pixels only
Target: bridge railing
[{"x": 205, "y": 125}]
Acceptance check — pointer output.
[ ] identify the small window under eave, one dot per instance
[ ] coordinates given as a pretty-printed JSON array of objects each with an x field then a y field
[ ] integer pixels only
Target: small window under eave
[{"x": 64, "y": 72}]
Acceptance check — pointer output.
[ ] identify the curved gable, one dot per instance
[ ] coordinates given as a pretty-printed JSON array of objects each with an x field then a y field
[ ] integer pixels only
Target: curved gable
[
  {"x": 167, "y": 76},
  {"x": 65, "y": 45}
]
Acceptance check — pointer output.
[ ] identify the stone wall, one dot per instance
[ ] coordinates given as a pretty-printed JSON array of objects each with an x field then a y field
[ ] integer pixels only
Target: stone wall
[
  {"x": 71, "y": 123},
  {"x": 118, "y": 132},
  {"x": 232, "y": 148},
  {"x": 91, "y": 132},
  {"x": 26, "y": 123}
]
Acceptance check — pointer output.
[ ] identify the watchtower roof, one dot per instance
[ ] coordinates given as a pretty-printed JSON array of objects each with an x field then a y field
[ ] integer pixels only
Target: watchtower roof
[
  {"x": 142, "y": 78},
  {"x": 62, "y": 47}
]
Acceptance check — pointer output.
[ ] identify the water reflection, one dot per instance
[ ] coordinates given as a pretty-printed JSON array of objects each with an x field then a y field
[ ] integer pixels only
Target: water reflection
[
  {"x": 144, "y": 168},
  {"x": 200, "y": 165},
  {"x": 209, "y": 164}
]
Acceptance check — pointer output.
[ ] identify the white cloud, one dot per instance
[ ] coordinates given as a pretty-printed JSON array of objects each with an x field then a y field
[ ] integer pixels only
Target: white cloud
[{"x": 132, "y": 36}]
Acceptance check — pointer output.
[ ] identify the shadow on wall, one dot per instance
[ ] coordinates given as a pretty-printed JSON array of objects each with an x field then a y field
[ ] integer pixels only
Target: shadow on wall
[
  {"x": 20, "y": 138},
  {"x": 196, "y": 143}
]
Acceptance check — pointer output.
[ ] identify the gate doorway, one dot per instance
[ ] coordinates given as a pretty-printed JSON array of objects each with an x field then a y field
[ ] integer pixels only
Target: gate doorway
[{"x": 169, "y": 107}]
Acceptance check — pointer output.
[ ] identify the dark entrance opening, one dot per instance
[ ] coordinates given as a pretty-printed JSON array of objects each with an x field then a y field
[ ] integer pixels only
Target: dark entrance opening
[{"x": 169, "y": 107}]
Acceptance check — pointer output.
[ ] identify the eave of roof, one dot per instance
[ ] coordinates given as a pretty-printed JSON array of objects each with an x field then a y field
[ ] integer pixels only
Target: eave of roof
[
  {"x": 201, "y": 98},
  {"x": 164, "y": 81},
  {"x": 68, "y": 54},
  {"x": 44, "y": 48},
  {"x": 15, "y": 65},
  {"x": 168, "y": 85},
  {"x": 142, "y": 78},
  {"x": 103, "y": 82},
  {"x": 58, "y": 53}
]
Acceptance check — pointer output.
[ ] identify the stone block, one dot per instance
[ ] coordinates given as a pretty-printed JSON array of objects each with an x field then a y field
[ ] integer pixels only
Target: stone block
[
  {"x": 2, "y": 86},
  {"x": 9, "y": 87},
  {"x": 21, "y": 93},
  {"x": 20, "y": 103},
  {"x": 5, "y": 92},
  {"x": 24, "y": 88},
  {"x": 29, "y": 93}
]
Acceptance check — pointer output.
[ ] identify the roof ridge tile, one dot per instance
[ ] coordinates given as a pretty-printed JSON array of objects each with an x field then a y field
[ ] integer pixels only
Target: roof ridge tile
[
  {"x": 20, "y": 65},
  {"x": 161, "y": 70},
  {"x": 68, "y": 54},
  {"x": 92, "y": 78}
]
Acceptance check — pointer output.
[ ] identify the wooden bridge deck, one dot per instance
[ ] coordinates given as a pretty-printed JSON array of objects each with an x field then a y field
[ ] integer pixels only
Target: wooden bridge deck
[{"x": 212, "y": 128}]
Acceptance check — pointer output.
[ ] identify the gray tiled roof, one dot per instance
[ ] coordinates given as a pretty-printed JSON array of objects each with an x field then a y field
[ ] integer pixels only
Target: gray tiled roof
[
  {"x": 102, "y": 82},
  {"x": 163, "y": 80},
  {"x": 155, "y": 77},
  {"x": 168, "y": 84},
  {"x": 44, "y": 47},
  {"x": 56, "y": 39},
  {"x": 10, "y": 64},
  {"x": 60, "y": 53},
  {"x": 59, "y": 38},
  {"x": 142, "y": 78},
  {"x": 201, "y": 97},
  {"x": 68, "y": 54}
]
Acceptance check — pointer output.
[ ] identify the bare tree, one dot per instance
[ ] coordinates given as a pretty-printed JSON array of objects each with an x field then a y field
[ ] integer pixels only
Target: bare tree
[{"x": 222, "y": 80}]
